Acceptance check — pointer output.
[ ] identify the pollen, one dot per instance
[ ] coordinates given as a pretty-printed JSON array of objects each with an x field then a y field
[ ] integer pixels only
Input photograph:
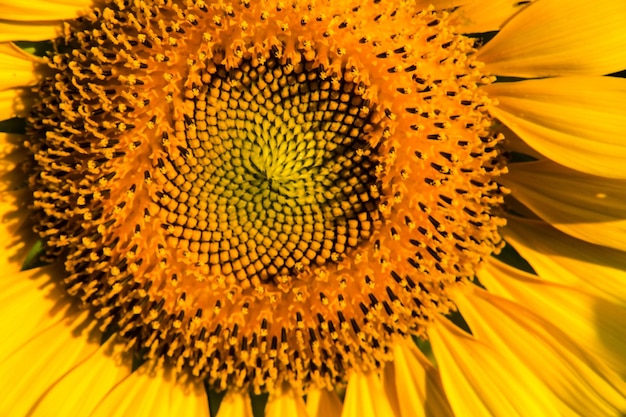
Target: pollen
[{"x": 264, "y": 192}]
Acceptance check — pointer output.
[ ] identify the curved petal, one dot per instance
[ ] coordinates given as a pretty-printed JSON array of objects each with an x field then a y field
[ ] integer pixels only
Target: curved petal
[
  {"x": 235, "y": 404},
  {"x": 584, "y": 386},
  {"x": 29, "y": 305},
  {"x": 16, "y": 236},
  {"x": 79, "y": 391},
  {"x": 12, "y": 157},
  {"x": 153, "y": 391},
  {"x": 598, "y": 326},
  {"x": 442, "y": 4},
  {"x": 365, "y": 397},
  {"x": 564, "y": 260},
  {"x": 15, "y": 230},
  {"x": 14, "y": 103},
  {"x": 29, "y": 31},
  {"x": 16, "y": 67},
  {"x": 480, "y": 381},
  {"x": 323, "y": 403},
  {"x": 285, "y": 402},
  {"x": 414, "y": 384},
  {"x": 478, "y": 16},
  {"x": 587, "y": 207},
  {"x": 513, "y": 143},
  {"x": 578, "y": 122},
  {"x": 560, "y": 37},
  {"x": 34, "y": 368},
  {"x": 43, "y": 338},
  {"x": 36, "y": 10}
]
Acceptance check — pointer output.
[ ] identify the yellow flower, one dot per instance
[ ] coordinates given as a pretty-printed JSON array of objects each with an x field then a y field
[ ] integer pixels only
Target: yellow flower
[{"x": 225, "y": 199}]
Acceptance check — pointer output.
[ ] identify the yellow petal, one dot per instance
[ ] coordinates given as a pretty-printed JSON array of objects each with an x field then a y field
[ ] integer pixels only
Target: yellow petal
[
  {"x": 323, "y": 403},
  {"x": 235, "y": 404},
  {"x": 36, "y": 10},
  {"x": 153, "y": 391},
  {"x": 12, "y": 156},
  {"x": 564, "y": 369},
  {"x": 28, "y": 31},
  {"x": 12, "y": 175},
  {"x": 14, "y": 102},
  {"x": 578, "y": 122},
  {"x": 16, "y": 235},
  {"x": 46, "y": 356},
  {"x": 564, "y": 260},
  {"x": 560, "y": 37},
  {"x": 413, "y": 384},
  {"x": 479, "y": 381},
  {"x": 365, "y": 397},
  {"x": 597, "y": 325},
  {"x": 478, "y": 16},
  {"x": 78, "y": 392},
  {"x": 27, "y": 303},
  {"x": 514, "y": 143},
  {"x": 442, "y": 4},
  {"x": 587, "y": 207},
  {"x": 16, "y": 67},
  {"x": 285, "y": 402},
  {"x": 590, "y": 107}
]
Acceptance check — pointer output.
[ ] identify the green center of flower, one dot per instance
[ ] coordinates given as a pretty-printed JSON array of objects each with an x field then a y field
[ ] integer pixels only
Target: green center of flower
[{"x": 266, "y": 192}]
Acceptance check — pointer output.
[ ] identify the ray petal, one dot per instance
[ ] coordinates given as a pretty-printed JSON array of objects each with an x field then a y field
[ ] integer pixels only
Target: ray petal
[
  {"x": 14, "y": 102},
  {"x": 560, "y": 37},
  {"x": 12, "y": 157},
  {"x": 153, "y": 391},
  {"x": 442, "y": 4},
  {"x": 413, "y": 384},
  {"x": 323, "y": 403},
  {"x": 31, "y": 371},
  {"x": 37, "y": 10},
  {"x": 285, "y": 402},
  {"x": 565, "y": 260},
  {"x": 578, "y": 122},
  {"x": 15, "y": 229},
  {"x": 598, "y": 326},
  {"x": 79, "y": 391},
  {"x": 479, "y": 16},
  {"x": 529, "y": 341},
  {"x": 16, "y": 67},
  {"x": 235, "y": 404},
  {"x": 480, "y": 381},
  {"x": 584, "y": 206},
  {"x": 27, "y": 300},
  {"x": 16, "y": 234},
  {"x": 365, "y": 397},
  {"x": 29, "y": 31},
  {"x": 43, "y": 337}
]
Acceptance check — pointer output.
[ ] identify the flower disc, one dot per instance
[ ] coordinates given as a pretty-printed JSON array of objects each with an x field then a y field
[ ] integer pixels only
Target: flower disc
[{"x": 262, "y": 192}]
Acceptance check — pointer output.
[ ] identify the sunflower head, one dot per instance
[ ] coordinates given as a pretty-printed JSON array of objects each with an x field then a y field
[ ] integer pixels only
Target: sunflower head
[
  {"x": 305, "y": 200},
  {"x": 262, "y": 192}
]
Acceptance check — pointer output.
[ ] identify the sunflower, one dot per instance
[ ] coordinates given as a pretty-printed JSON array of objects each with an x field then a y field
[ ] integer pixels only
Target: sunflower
[{"x": 313, "y": 208}]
